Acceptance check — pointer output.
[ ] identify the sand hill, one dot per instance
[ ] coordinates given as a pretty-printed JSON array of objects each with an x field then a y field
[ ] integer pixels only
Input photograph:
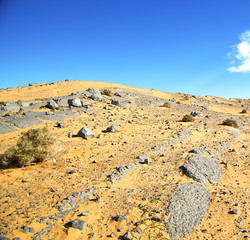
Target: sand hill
[{"x": 137, "y": 170}]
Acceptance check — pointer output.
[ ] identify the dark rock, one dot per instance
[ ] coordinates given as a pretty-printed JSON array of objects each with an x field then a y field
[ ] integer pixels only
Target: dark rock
[
  {"x": 111, "y": 129},
  {"x": 119, "y": 218},
  {"x": 187, "y": 209},
  {"x": 61, "y": 124},
  {"x": 85, "y": 133},
  {"x": 79, "y": 224},
  {"x": 196, "y": 114},
  {"x": 127, "y": 236},
  {"x": 203, "y": 169}
]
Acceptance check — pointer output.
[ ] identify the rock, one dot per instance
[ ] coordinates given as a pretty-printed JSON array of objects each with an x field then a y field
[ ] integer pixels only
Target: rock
[
  {"x": 95, "y": 94},
  {"x": 235, "y": 211},
  {"x": 4, "y": 238},
  {"x": 26, "y": 229},
  {"x": 119, "y": 218},
  {"x": 143, "y": 159},
  {"x": 85, "y": 133},
  {"x": 10, "y": 106},
  {"x": 199, "y": 151},
  {"x": 196, "y": 114},
  {"x": 187, "y": 209},
  {"x": 112, "y": 235},
  {"x": 79, "y": 224},
  {"x": 203, "y": 169},
  {"x": 86, "y": 213},
  {"x": 111, "y": 129},
  {"x": 61, "y": 124},
  {"x": 5, "y": 128},
  {"x": 26, "y": 103},
  {"x": 16, "y": 238},
  {"x": 127, "y": 236},
  {"x": 70, "y": 135},
  {"x": 22, "y": 122},
  {"x": 52, "y": 105},
  {"x": 75, "y": 102},
  {"x": 185, "y": 134}
]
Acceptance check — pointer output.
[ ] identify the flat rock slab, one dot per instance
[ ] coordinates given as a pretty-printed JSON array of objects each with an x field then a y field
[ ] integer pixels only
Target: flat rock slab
[
  {"x": 22, "y": 122},
  {"x": 5, "y": 128},
  {"x": 203, "y": 169},
  {"x": 55, "y": 118},
  {"x": 187, "y": 209}
]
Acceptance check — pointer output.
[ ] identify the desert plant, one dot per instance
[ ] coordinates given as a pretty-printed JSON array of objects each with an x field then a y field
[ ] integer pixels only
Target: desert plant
[
  {"x": 188, "y": 118},
  {"x": 107, "y": 92},
  {"x": 167, "y": 105},
  {"x": 35, "y": 145},
  {"x": 244, "y": 111},
  {"x": 230, "y": 122}
]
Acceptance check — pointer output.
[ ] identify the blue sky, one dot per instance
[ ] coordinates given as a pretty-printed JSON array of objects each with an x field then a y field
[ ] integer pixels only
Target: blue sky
[{"x": 197, "y": 47}]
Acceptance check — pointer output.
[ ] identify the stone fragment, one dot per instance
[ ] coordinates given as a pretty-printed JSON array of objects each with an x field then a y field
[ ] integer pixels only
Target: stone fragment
[
  {"x": 52, "y": 105},
  {"x": 127, "y": 236},
  {"x": 111, "y": 129}
]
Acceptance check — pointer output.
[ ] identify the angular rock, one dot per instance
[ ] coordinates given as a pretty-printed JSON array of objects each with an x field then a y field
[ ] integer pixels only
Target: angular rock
[
  {"x": 199, "y": 151},
  {"x": 203, "y": 169},
  {"x": 187, "y": 209},
  {"x": 143, "y": 159},
  {"x": 111, "y": 129},
  {"x": 85, "y": 133},
  {"x": 127, "y": 236},
  {"x": 79, "y": 224}
]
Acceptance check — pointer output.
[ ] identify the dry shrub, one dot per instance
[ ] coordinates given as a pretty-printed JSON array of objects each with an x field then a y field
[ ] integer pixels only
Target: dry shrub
[
  {"x": 188, "y": 118},
  {"x": 167, "y": 105},
  {"x": 230, "y": 122},
  {"x": 108, "y": 92},
  {"x": 35, "y": 145}
]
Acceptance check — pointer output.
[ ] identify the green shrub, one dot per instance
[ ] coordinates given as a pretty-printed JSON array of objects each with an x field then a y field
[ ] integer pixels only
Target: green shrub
[
  {"x": 244, "y": 111},
  {"x": 230, "y": 122},
  {"x": 107, "y": 92},
  {"x": 35, "y": 145},
  {"x": 188, "y": 118},
  {"x": 167, "y": 105}
]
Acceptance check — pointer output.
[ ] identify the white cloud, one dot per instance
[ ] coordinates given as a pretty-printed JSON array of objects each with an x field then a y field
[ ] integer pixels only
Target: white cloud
[{"x": 241, "y": 54}]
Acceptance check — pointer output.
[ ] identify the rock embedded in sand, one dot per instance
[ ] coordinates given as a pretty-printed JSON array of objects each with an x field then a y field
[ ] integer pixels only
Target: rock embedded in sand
[
  {"x": 203, "y": 169},
  {"x": 111, "y": 129},
  {"x": 85, "y": 133},
  {"x": 127, "y": 236},
  {"x": 79, "y": 224},
  {"x": 187, "y": 209}
]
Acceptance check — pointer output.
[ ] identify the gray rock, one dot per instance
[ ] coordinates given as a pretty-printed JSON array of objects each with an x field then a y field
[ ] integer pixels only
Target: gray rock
[
  {"x": 79, "y": 224},
  {"x": 86, "y": 213},
  {"x": 5, "y": 128},
  {"x": 26, "y": 229},
  {"x": 16, "y": 238},
  {"x": 10, "y": 106},
  {"x": 70, "y": 135},
  {"x": 61, "y": 124},
  {"x": 52, "y": 105},
  {"x": 196, "y": 114},
  {"x": 187, "y": 209},
  {"x": 200, "y": 151},
  {"x": 111, "y": 129},
  {"x": 4, "y": 238},
  {"x": 26, "y": 103},
  {"x": 203, "y": 169},
  {"x": 127, "y": 236},
  {"x": 55, "y": 118},
  {"x": 85, "y": 133},
  {"x": 143, "y": 159},
  {"x": 95, "y": 94},
  {"x": 22, "y": 122},
  {"x": 75, "y": 102},
  {"x": 185, "y": 134}
]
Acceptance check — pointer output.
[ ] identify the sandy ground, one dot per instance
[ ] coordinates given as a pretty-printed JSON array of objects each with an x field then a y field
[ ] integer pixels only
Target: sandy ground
[{"x": 26, "y": 194}]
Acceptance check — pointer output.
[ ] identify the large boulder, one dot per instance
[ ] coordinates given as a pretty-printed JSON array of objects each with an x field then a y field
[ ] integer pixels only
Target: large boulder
[
  {"x": 75, "y": 102},
  {"x": 203, "y": 169},
  {"x": 187, "y": 208},
  {"x": 52, "y": 105},
  {"x": 10, "y": 106}
]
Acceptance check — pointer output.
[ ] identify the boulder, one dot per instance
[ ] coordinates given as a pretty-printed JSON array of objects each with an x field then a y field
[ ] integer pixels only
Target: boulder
[
  {"x": 75, "y": 102},
  {"x": 187, "y": 209},
  {"x": 95, "y": 94},
  {"x": 79, "y": 224},
  {"x": 11, "y": 107},
  {"x": 52, "y": 105},
  {"x": 203, "y": 169}
]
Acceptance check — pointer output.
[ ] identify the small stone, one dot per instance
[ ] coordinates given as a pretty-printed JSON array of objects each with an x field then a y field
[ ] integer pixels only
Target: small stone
[
  {"x": 235, "y": 211},
  {"x": 26, "y": 229},
  {"x": 86, "y": 213},
  {"x": 85, "y": 133},
  {"x": 61, "y": 124},
  {"x": 70, "y": 135},
  {"x": 127, "y": 236},
  {"x": 32, "y": 230},
  {"x": 111, "y": 129},
  {"x": 79, "y": 224},
  {"x": 112, "y": 235}
]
